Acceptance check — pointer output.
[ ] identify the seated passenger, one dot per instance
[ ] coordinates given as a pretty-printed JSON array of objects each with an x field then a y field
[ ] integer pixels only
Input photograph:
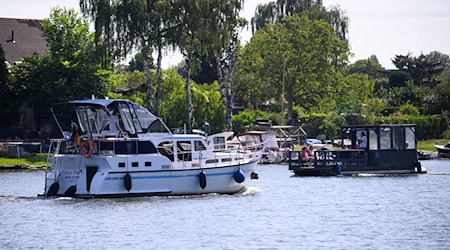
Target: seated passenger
[
  {"x": 311, "y": 151},
  {"x": 305, "y": 156}
]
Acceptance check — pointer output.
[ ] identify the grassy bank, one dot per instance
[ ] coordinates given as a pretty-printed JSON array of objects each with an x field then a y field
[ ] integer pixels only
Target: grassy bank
[
  {"x": 31, "y": 160},
  {"x": 428, "y": 145},
  {"x": 41, "y": 159}
]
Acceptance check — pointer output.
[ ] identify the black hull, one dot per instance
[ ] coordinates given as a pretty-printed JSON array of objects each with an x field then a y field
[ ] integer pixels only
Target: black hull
[
  {"x": 353, "y": 170},
  {"x": 443, "y": 152}
]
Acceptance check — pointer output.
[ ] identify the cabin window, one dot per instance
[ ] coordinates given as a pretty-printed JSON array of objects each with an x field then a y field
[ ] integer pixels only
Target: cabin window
[
  {"x": 398, "y": 134},
  {"x": 219, "y": 143},
  {"x": 226, "y": 159},
  {"x": 385, "y": 138},
  {"x": 199, "y": 146},
  {"x": 184, "y": 150},
  {"x": 135, "y": 164},
  {"x": 146, "y": 147},
  {"x": 148, "y": 163},
  {"x": 121, "y": 164},
  {"x": 410, "y": 137},
  {"x": 373, "y": 140},
  {"x": 166, "y": 148},
  {"x": 212, "y": 161}
]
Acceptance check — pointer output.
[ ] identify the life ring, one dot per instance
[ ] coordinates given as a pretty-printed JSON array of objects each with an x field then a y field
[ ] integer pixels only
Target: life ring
[{"x": 87, "y": 153}]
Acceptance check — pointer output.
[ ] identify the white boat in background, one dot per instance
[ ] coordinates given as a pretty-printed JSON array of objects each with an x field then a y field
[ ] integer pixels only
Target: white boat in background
[
  {"x": 268, "y": 139},
  {"x": 125, "y": 150},
  {"x": 443, "y": 150}
]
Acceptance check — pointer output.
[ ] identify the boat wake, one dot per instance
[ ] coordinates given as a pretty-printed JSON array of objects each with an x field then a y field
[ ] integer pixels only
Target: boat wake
[
  {"x": 249, "y": 191},
  {"x": 440, "y": 173},
  {"x": 7, "y": 198}
]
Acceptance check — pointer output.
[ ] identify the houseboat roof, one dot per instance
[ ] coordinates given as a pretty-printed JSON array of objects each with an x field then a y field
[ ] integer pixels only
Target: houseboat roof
[{"x": 377, "y": 126}]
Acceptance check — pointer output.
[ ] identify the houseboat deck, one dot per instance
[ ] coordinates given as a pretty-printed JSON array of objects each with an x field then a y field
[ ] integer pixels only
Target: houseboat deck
[{"x": 391, "y": 149}]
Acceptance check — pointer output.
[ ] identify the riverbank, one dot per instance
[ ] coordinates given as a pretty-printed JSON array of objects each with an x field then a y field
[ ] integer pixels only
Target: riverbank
[
  {"x": 38, "y": 161},
  {"x": 30, "y": 162}
]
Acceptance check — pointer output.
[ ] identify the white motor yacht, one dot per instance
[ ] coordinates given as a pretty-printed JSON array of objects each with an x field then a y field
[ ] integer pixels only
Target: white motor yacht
[{"x": 117, "y": 148}]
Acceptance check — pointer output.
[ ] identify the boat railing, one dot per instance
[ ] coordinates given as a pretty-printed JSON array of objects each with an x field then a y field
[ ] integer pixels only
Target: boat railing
[
  {"x": 329, "y": 158},
  {"x": 237, "y": 153},
  {"x": 104, "y": 146}
]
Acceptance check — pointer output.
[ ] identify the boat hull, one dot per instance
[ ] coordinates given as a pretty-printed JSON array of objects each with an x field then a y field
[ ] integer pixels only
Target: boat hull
[
  {"x": 443, "y": 151},
  {"x": 97, "y": 178},
  {"x": 354, "y": 170}
]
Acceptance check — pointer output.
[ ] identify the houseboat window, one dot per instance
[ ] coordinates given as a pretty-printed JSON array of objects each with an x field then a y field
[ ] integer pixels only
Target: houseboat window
[
  {"x": 135, "y": 164},
  {"x": 199, "y": 146},
  {"x": 166, "y": 148},
  {"x": 410, "y": 137},
  {"x": 373, "y": 140},
  {"x": 385, "y": 138},
  {"x": 148, "y": 163},
  {"x": 184, "y": 150},
  {"x": 212, "y": 161},
  {"x": 121, "y": 164},
  {"x": 398, "y": 134}
]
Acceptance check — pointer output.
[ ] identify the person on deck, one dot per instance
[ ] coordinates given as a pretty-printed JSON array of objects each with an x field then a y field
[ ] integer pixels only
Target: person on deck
[
  {"x": 305, "y": 156},
  {"x": 363, "y": 141},
  {"x": 311, "y": 151}
]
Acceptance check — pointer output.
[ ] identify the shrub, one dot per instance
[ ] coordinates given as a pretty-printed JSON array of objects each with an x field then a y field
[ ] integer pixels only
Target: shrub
[
  {"x": 409, "y": 109},
  {"x": 446, "y": 134},
  {"x": 427, "y": 127},
  {"x": 246, "y": 118}
]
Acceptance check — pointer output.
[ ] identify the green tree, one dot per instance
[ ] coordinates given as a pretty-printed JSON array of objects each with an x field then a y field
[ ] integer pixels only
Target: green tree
[
  {"x": 371, "y": 67},
  {"x": 276, "y": 11},
  {"x": 206, "y": 98},
  {"x": 68, "y": 72},
  {"x": 291, "y": 54},
  {"x": 208, "y": 29},
  {"x": 3, "y": 69},
  {"x": 439, "y": 59},
  {"x": 422, "y": 69},
  {"x": 442, "y": 95},
  {"x": 354, "y": 93},
  {"x": 225, "y": 47},
  {"x": 7, "y": 98},
  {"x": 125, "y": 26}
]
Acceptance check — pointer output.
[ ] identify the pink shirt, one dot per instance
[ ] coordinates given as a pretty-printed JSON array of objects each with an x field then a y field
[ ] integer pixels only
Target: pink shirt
[{"x": 304, "y": 154}]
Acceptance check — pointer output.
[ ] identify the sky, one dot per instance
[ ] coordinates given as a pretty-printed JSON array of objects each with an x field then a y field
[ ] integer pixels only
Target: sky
[{"x": 384, "y": 28}]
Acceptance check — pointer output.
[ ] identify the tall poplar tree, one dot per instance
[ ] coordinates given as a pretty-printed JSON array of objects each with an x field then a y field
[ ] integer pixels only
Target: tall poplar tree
[{"x": 140, "y": 25}]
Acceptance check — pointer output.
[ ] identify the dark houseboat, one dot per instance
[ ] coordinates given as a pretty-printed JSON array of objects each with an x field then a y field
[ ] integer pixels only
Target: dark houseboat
[{"x": 388, "y": 149}]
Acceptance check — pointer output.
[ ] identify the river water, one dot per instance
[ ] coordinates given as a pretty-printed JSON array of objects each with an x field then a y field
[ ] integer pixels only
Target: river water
[{"x": 277, "y": 211}]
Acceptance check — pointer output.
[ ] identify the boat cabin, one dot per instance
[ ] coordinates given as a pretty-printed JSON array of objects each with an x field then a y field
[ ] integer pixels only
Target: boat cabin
[{"x": 374, "y": 149}]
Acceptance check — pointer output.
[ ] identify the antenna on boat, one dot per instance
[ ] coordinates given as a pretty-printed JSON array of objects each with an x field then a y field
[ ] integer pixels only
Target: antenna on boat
[{"x": 57, "y": 122}]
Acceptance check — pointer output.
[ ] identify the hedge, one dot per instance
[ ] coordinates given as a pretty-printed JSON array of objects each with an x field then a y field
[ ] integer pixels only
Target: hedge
[{"x": 427, "y": 127}]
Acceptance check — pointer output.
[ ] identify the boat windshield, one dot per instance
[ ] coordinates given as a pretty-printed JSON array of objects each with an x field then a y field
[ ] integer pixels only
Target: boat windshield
[
  {"x": 137, "y": 119},
  {"x": 92, "y": 119},
  {"x": 129, "y": 119},
  {"x": 120, "y": 115}
]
